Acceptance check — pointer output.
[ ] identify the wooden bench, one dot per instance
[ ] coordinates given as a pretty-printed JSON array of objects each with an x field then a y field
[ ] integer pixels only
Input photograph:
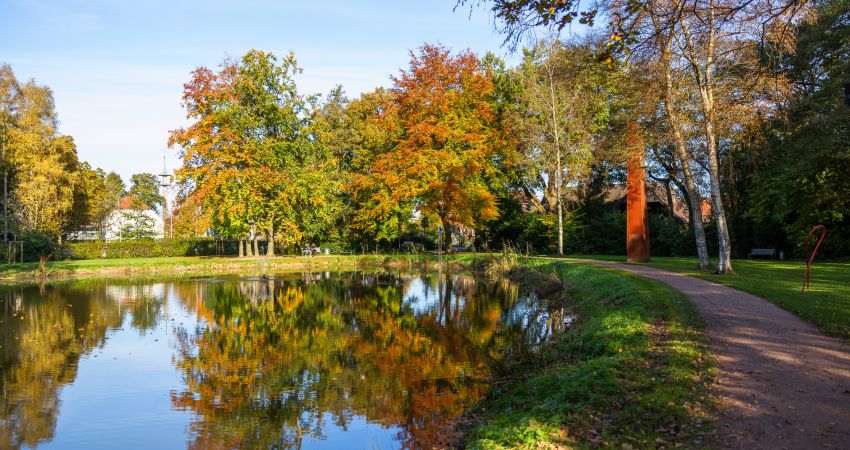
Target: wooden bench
[{"x": 768, "y": 252}]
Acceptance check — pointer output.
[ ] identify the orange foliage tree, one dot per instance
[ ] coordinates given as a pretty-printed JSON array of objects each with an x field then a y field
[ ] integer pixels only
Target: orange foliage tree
[
  {"x": 446, "y": 143},
  {"x": 250, "y": 154}
]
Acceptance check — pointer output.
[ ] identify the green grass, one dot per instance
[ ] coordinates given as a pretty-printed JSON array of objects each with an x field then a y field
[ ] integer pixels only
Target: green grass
[
  {"x": 826, "y": 304},
  {"x": 632, "y": 371}
]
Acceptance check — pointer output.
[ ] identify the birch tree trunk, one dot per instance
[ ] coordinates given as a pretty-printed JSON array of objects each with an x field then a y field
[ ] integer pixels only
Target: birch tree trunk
[
  {"x": 556, "y": 133},
  {"x": 681, "y": 149},
  {"x": 704, "y": 77},
  {"x": 694, "y": 200}
]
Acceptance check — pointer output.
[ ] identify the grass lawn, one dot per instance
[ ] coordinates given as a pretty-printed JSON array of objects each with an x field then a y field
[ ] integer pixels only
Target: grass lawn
[
  {"x": 631, "y": 372},
  {"x": 826, "y": 304}
]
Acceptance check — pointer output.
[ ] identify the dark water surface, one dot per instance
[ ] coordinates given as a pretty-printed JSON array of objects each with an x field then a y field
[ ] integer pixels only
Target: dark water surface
[{"x": 309, "y": 360}]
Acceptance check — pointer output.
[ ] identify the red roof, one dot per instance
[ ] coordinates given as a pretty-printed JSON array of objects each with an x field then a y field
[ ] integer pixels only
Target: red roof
[{"x": 128, "y": 203}]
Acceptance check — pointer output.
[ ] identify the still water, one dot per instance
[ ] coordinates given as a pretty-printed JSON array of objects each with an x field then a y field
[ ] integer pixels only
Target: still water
[{"x": 309, "y": 360}]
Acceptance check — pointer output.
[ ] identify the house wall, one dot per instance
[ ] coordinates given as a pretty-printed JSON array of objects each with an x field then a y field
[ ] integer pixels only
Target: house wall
[{"x": 117, "y": 220}]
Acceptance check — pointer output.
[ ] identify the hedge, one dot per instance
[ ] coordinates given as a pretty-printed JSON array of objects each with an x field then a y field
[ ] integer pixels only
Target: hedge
[{"x": 146, "y": 248}]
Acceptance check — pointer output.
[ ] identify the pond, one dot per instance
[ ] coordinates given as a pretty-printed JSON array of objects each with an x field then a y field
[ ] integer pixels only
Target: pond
[{"x": 369, "y": 360}]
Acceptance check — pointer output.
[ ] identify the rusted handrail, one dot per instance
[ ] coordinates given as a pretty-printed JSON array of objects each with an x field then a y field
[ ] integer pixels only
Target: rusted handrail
[{"x": 811, "y": 259}]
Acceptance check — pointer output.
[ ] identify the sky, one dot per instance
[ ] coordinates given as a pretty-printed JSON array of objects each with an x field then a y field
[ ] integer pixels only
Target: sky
[{"x": 117, "y": 68}]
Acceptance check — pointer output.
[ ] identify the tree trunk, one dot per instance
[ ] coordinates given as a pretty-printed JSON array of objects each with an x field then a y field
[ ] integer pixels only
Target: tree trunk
[
  {"x": 663, "y": 39},
  {"x": 684, "y": 159},
  {"x": 695, "y": 205},
  {"x": 447, "y": 241},
  {"x": 724, "y": 263},
  {"x": 556, "y": 132},
  {"x": 560, "y": 228},
  {"x": 704, "y": 77},
  {"x": 669, "y": 192},
  {"x": 241, "y": 252},
  {"x": 256, "y": 249},
  {"x": 270, "y": 238}
]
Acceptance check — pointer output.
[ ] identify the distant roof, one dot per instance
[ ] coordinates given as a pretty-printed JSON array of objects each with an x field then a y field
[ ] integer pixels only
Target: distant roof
[
  {"x": 656, "y": 193},
  {"x": 129, "y": 203}
]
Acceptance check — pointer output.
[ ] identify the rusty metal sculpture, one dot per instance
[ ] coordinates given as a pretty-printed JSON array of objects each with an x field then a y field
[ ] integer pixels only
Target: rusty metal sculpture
[
  {"x": 810, "y": 259},
  {"x": 637, "y": 227}
]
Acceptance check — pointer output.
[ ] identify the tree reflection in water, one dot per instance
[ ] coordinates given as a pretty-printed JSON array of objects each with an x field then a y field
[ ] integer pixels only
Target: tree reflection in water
[
  {"x": 43, "y": 333},
  {"x": 268, "y": 363},
  {"x": 276, "y": 360}
]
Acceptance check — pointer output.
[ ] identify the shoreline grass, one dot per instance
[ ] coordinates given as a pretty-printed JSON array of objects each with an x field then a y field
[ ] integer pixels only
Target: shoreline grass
[
  {"x": 633, "y": 372},
  {"x": 184, "y": 266},
  {"x": 826, "y": 304}
]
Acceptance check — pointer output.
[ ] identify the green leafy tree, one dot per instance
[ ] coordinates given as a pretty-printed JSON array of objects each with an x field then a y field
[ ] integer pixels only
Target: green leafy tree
[
  {"x": 114, "y": 191},
  {"x": 144, "y": 190},
  {"x": 564, "y": 107},
  {"x": 798, "y": 168},
  {"x": 136, "y": 225}
]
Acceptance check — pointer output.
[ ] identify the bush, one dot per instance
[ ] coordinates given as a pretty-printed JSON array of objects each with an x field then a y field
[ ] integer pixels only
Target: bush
[
  {"x": 148, "y": 248},
  {"x": 669, "y": 237},
  {"x": 36, "y": 245},
  {"x": 603, "y": 233}
]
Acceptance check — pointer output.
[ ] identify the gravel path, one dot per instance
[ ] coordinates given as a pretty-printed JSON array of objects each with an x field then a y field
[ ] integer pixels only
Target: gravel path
[{"x": 781, "y": 382}]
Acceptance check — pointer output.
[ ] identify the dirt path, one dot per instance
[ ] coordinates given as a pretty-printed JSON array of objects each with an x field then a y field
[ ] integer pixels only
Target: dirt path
[{"x": 781, "y": 382}]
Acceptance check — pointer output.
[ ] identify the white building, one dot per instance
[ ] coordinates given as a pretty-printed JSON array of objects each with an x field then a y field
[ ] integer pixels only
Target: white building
[{"x": 125, "y": 216}]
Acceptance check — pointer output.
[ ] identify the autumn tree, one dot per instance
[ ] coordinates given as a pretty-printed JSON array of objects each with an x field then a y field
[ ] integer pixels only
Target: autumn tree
[
  {"x": 10, "y": 91},
  {"x": 44, "y": 164},
  {"x": 374, "y": 215},
  {"x": 707, "y": 40},
  {"x": 519, "y": 17},
  {"x": 795, "y": 173},
  {"x": 190, "y": 218},
  {"x": 445, "y": 142},
  {"x": 656, "y": 59},
  {"x": 89, "y": 190},
  {"x": 250, "y": 154},
  {"x": 45, "y": 187}
]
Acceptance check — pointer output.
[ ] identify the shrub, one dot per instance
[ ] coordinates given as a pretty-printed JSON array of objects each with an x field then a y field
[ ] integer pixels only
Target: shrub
[
  {"x": 669, "y": 237},
  {"x": 36, "y": 245},
  {"x": 148, "y": 248}
]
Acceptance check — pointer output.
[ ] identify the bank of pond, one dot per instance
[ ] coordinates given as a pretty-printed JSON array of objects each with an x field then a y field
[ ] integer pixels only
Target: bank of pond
[{"x": 554, "y": 353}]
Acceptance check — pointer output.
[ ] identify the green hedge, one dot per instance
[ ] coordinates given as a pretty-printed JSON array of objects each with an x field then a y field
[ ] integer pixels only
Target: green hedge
[{"x": 146, "y": 248}]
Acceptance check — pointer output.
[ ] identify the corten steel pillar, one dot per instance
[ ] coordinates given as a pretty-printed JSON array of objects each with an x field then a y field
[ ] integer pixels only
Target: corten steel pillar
[{"x": 637, "y": 227}]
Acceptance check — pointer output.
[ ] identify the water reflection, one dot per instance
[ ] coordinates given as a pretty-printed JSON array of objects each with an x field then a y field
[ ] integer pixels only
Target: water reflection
[
  {"x": 43, "y": 333},
  {"x": 345, "y": 360}
]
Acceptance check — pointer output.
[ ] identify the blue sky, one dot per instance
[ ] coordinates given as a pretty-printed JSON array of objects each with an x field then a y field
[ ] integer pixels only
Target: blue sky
[{"x": 117, "y": 68}]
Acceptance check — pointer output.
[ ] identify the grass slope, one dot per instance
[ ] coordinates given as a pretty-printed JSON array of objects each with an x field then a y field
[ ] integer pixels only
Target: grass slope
[
  {"x": 826, "y": 304},
  {"x": 632, "y": 371}
]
